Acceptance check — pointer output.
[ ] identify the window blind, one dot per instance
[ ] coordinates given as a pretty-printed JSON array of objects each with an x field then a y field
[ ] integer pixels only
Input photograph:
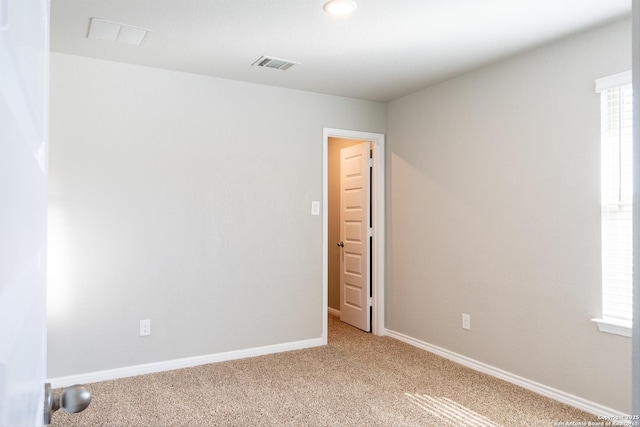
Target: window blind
[{"x": 616, "y": 193}]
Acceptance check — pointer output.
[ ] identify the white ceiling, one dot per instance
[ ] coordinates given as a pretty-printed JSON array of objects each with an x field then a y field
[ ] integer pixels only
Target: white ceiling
[{"x": 386, "y": 49}]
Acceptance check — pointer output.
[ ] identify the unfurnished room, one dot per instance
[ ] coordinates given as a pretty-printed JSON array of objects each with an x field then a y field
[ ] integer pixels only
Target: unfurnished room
[{"x": 314, "y": 212}]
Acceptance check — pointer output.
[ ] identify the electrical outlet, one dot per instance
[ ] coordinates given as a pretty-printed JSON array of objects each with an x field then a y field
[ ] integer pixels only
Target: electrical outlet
[
  {"x": 466, "y": 321},
  {"x": 145, "y": 327}
]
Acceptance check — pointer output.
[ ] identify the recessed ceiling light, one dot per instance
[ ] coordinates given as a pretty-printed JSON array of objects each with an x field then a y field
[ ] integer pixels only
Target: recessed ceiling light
[{"x": 340, "y": 7}]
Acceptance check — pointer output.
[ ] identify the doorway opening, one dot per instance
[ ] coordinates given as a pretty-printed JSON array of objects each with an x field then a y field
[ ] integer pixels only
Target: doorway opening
[{"x": 336, "y": 139}]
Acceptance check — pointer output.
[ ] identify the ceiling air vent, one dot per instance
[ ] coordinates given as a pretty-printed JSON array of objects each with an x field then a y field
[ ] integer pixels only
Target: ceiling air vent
[
  {"x": 278, "y": 64},
  {"x": 116, "y": 32}
]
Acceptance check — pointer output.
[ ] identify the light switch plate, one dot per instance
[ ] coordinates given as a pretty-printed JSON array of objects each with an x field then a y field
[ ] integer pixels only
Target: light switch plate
[{"x": 315, "y": 207}]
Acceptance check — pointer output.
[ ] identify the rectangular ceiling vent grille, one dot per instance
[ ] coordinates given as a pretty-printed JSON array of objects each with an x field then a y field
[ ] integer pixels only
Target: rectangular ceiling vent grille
[
  {"x": 278, "y": 64},
  {"x": 116, "y": 32}
]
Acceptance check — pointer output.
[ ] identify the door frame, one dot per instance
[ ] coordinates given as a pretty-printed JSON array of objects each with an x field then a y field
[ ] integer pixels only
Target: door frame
[{"x": 377, "y": 223}]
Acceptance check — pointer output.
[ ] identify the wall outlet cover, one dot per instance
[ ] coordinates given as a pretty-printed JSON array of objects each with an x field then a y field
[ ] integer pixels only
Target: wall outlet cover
[
  {"x": 145, "y": 327},
  {"x": 466, "y": 321}
]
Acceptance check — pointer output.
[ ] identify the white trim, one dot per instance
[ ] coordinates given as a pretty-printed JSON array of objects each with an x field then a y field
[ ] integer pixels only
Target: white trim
[
  {"x": 608, "y": 82},
  {"x": 552, "y": 393},
  {"x": 333, "y": 311},
  {"x": 187, "y": 362},
  {"x": 325, "y": 234},
  {"x": 612, "y": 327},
  {"x": 378, "y": 222}
]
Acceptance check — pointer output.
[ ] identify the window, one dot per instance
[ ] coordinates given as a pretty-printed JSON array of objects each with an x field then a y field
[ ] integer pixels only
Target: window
[{"x": 617, "y": 202}]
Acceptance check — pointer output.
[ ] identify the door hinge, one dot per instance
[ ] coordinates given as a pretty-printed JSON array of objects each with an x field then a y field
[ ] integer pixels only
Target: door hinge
[
  {"x": 370, "y": 162},
  {"x": 370, "y": 232},
  {"x": 370, "y": 301}
]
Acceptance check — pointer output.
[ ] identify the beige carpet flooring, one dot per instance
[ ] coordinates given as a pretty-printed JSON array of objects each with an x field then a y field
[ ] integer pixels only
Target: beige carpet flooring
[{"x": 356, "y": 380}]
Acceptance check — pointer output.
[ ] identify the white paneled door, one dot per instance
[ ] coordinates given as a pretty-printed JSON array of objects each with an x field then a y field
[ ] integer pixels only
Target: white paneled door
[
  {"x": 24, "y": 69},
  {"x": 354, "y": 235}
]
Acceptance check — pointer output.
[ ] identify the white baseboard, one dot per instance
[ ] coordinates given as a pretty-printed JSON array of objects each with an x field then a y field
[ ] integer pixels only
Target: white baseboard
[
  {"x": 560, "y": 396},
  {"x": 333, "y": 311},
  {"x": 187, "y": 362}
]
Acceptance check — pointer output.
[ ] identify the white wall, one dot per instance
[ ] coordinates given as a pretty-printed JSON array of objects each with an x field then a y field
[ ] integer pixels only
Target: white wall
[
  {"x": 493, "y": 210},
  {"x": 185, "y": 200}
]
